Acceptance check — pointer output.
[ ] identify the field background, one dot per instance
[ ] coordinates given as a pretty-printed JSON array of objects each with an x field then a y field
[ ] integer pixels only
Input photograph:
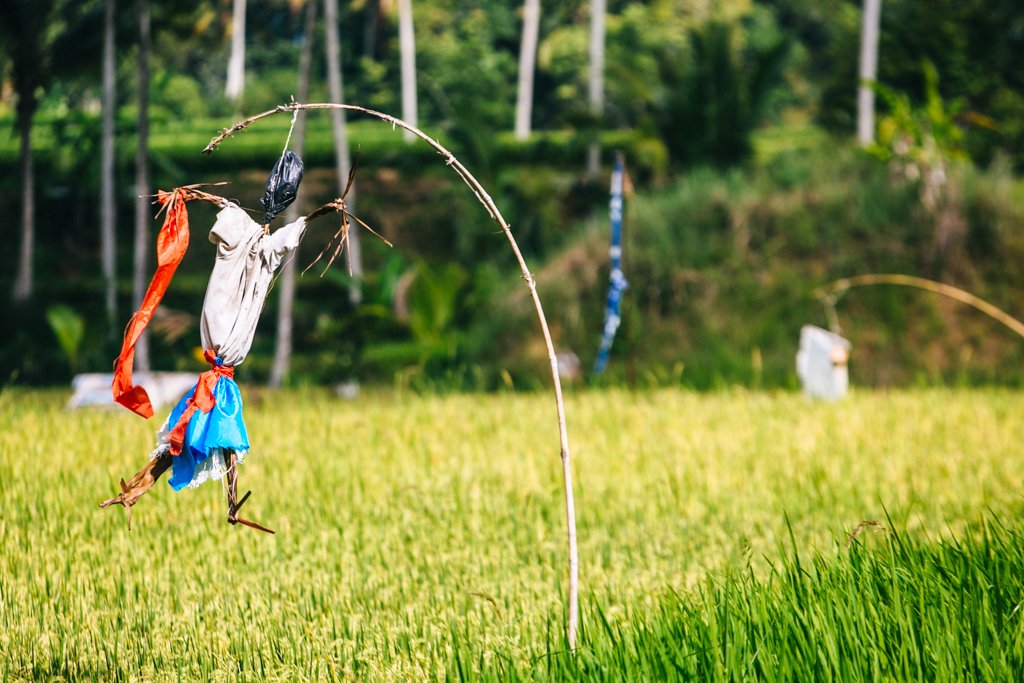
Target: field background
[{"x": 413, "y": 526}]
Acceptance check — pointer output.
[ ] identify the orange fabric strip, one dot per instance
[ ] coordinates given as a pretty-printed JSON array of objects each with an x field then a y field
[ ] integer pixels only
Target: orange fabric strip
[
  {"x": 171, "y": 244},
  {"x": 202, "y": 398}
]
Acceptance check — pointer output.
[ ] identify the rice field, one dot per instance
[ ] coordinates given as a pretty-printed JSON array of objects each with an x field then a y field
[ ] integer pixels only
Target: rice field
[{"x": 422, "y": 538}]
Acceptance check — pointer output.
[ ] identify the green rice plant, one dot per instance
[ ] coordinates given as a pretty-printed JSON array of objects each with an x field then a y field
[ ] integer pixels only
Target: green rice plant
[
  {"x": 898, "y": 608},
  {"x": 419, "y": 538}
]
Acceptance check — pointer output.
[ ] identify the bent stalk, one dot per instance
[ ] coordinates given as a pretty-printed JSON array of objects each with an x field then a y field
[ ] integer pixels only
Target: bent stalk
[
  {"x": 830, "y": 293},
  {"x": 572, "y": 617}
]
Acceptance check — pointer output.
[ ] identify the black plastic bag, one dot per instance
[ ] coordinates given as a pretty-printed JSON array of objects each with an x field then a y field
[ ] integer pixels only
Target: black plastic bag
[{"x": 282, "y": 185}]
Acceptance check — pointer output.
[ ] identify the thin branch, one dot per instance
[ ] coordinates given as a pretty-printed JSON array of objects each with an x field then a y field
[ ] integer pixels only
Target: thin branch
[
  {"x": 191, "y": 193},
  {"x": 572, "y": 618},
  {"x": 329, "y": 207}
]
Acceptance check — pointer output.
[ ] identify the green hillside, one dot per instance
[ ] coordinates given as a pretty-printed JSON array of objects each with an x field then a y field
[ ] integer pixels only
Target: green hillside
[{"x": 722, "y": 266}]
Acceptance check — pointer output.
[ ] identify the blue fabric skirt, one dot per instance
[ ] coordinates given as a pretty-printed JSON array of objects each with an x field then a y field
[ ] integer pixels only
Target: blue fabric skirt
[{"x": 222, "y": 428}]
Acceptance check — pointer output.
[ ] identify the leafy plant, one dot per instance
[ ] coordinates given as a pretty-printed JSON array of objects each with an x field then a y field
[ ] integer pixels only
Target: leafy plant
[
  {"x": 433, "y": 300},
  {"x": 921, "y": 138},
  {"x": 925, "y": 144},
  {"x": 428, "y": 302},
  {"x": 69, "y": 328},
  {"x": 717, "y": 95}
]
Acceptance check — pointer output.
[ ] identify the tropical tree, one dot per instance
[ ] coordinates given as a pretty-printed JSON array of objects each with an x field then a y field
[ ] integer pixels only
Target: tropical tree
[
  {"x": 42, "y": 39},
  {"x": 286, "y": 305},
  {"x": 868, "y": 71},
  {"x": 717, "y": 97},
  {"x": 108, "y": 213},
  {"x": 527, "y": 59},
  {"x": 25, "y": 26},
  {"x": 143, "y": 220},
  {"x": 925, "y": 144},
  {"x": 595, "y": 93},
  {"x": 975, "y": 46},
  {"x": 407, "y": 48},
  {"x": 236, "y": 62},
  {"x": 342, "y": 160}
]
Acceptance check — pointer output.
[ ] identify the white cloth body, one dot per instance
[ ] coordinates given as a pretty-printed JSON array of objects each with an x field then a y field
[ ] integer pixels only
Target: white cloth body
[
  {"x": 247, "y": 259},
  {"x": 821, "y": 363}
]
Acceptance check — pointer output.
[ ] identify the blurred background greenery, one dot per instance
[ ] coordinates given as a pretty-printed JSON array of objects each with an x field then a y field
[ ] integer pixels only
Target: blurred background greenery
[{"x": 736, "y": 119}]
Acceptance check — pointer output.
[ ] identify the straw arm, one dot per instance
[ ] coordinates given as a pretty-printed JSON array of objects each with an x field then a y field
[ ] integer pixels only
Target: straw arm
[{"x": 329, "y": 207}]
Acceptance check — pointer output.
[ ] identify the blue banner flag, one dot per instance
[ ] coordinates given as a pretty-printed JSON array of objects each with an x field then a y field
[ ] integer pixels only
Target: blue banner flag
[{"x": 618, "y": 282}]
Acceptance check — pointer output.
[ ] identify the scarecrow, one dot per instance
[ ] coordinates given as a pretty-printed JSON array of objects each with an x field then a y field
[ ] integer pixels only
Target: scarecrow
[{"x": 204, "y": 437}]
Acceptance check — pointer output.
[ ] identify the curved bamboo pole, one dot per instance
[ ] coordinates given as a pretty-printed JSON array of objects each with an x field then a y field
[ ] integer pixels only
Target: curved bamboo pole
[
  {"x": 828, "y": 294},
  {"x": 572, "y": 617}
]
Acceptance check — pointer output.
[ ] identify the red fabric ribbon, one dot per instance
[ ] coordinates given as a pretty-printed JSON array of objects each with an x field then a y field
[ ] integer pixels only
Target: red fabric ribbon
[
  {"x": 202, "y": 398},
  {"x": 171, "y": 244}
]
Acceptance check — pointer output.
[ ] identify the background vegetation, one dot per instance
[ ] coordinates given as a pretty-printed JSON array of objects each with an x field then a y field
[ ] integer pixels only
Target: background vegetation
[{"x": 747, "y": 191}]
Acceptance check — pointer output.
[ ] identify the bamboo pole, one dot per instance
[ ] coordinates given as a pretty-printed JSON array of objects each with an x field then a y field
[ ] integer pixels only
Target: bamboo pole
[
  {"x": 829, "y": 293},
  {"x": 572, "y": 616}
]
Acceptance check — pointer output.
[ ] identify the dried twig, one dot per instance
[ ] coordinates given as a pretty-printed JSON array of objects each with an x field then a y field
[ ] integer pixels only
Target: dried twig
[
  {"x": 233, "y": 503},
  {"x": 142, "y": 482},
  {"x": 340, "y": 238},
  {"x": 189, "y": 192},
  {"x": 572, "y": 618}
]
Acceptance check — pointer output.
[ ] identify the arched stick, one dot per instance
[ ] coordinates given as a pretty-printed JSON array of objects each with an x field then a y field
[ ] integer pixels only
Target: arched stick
[
  {"x": 828, "y": 294},
  {"x": 572, "y": 618}
]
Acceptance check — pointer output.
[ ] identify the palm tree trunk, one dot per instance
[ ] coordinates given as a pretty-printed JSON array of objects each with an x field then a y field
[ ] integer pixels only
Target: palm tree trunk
[
  {"x": 527, "y": 58},
  {"x": 371, "y": 27},
  {"x": 236, "y": 62},
  {"x": 596, "y": 89},
  {"x": 342, "y": 160},
  {"x": 407, "y": 47},
  {"x": 868, "y": 71},
  {"x": 142, "y": 203},
  {"x": 23, "y": 286},
  {"x": 107, "y": 205},
  {"x": 286, "y": 306}
]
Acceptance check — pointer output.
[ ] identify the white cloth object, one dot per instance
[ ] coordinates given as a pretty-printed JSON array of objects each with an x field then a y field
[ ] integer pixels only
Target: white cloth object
[
  {"x": 247, "y": 259},
  {"x": 821, "y": 363}
]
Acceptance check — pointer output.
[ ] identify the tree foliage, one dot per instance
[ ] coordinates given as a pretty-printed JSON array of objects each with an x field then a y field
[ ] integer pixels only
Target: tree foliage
[
  {"x": 974, "y": 45},
  {"x": 688, "y": 84},
  {"x": 717, "y": 97}
]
